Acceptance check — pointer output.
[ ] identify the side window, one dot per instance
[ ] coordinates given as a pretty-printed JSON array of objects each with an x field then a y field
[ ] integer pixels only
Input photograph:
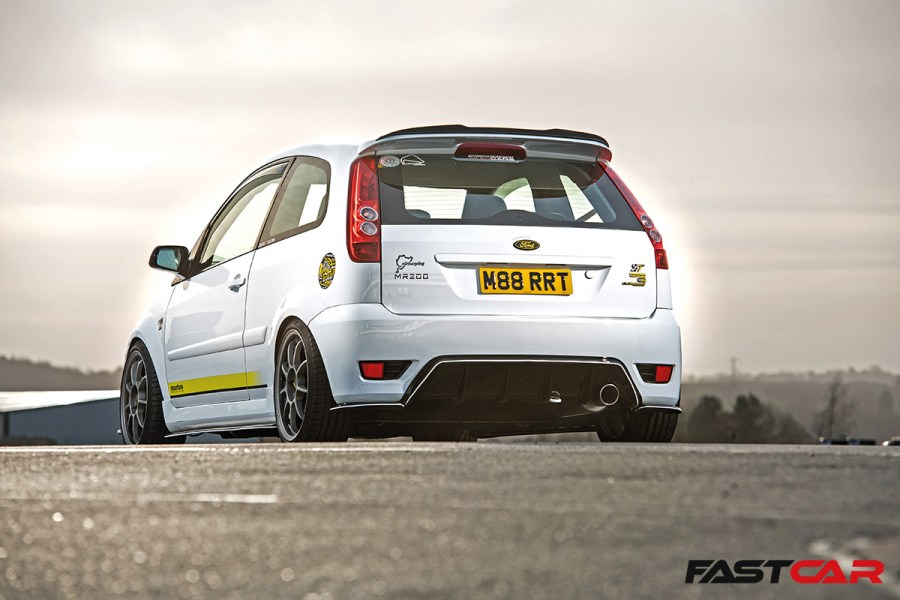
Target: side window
[
  {"x": 303, "y": 202},
  {"x": 236, "y": 228}
]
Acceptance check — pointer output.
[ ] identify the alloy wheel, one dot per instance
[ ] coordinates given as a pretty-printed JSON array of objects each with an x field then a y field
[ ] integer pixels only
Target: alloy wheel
[
  {"x": 293, "y": 385},
  {"x": 134, "y": 398}
]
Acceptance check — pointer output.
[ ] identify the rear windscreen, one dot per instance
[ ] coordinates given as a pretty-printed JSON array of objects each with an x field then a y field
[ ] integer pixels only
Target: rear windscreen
[{"x": 443, "y": 189}]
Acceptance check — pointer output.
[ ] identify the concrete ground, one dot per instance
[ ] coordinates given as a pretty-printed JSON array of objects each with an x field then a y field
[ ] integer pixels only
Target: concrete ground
[{"x": 404, "y": 520}]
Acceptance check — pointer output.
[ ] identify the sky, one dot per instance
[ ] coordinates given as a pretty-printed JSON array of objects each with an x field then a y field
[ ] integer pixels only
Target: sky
[{"x": 763, "y": 137}]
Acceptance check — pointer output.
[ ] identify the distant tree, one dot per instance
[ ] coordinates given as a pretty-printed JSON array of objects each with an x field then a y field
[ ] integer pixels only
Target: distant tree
[
  {"x": 753, "y": 421},
  {"x": 833, "y": 421},
  {"x": 885, "y": 402},
  {"x": 789, "y": 431},
  {"x": 708, "y": 423},
  {"x": 22, "y": 374},
  {"x": 750, "y": 422}
]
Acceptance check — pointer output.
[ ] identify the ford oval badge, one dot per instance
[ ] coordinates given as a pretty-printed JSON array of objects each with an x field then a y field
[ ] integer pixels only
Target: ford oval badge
[{"x": 526, "y": 245}]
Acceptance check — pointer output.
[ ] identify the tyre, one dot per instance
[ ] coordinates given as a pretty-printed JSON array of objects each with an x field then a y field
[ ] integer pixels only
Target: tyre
[
  {"x": 140, "y": 401},
  {"x": 303, "y": 399},
  {"x": 646, "y": 425}
]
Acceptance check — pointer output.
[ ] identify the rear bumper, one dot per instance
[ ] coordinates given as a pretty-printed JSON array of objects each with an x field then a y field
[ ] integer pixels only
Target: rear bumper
[{"x": 351, "y": 333}]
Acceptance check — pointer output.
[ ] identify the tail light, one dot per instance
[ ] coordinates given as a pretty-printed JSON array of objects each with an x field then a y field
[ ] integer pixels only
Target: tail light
[
  {"x": 364, "y": 212},
  {"x": 662, "y": 261}
]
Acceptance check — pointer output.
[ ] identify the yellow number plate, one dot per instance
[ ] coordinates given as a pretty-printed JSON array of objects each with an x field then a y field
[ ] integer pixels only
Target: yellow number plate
[{"x": 502, "y": 280}]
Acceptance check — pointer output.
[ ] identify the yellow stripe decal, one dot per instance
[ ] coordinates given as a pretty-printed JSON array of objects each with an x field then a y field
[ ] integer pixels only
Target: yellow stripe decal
[
  {"x": 215, "y": 383},
  {"x": 255, "y": 379}
]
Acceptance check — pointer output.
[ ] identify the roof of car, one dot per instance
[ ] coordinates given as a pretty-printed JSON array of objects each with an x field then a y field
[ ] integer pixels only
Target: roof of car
[
  {"x": 464, "y": 130},
  {"x": 323, "y": 150}
]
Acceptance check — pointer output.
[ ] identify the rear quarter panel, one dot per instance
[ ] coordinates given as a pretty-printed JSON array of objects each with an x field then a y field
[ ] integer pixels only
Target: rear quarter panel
[{"x": 284, "y": 279}]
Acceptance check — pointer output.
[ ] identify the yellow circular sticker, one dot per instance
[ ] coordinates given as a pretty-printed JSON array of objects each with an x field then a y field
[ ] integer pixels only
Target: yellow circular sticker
[{"x": 326, "y": 270}]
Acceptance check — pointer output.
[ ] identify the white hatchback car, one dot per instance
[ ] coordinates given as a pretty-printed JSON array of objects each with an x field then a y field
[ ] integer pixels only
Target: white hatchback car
[{"x": 444, "y": 282}]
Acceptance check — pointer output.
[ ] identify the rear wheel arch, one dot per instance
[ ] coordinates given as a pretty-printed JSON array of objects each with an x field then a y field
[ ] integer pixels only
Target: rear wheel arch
[
  {"x": 286, "y": 322},
  {"x": 319, "y": 423}
]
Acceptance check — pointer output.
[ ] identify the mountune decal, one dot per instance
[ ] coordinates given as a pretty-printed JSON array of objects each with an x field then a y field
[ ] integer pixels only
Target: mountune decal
[{"x": 217, "y": 383}]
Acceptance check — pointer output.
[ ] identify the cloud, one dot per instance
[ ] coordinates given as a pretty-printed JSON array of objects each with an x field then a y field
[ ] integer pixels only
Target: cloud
[{"x": 760, "y": 135}]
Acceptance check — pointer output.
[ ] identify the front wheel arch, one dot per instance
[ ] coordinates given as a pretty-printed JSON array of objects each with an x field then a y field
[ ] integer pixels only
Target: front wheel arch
[{"x": 140, "y": 400}]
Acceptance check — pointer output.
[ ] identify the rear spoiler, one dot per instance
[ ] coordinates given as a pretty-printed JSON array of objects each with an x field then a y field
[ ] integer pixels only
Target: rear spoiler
[
  {"x": 501, "y": 131},
  {"x": 557, "y": 143}
]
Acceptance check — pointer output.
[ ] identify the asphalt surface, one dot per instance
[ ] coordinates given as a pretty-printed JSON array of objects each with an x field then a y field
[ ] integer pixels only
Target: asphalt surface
[{"x": 404, "y": 520}]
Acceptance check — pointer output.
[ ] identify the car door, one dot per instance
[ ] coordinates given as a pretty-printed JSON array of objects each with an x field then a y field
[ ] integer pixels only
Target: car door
[{"x": 204, "y": 323}]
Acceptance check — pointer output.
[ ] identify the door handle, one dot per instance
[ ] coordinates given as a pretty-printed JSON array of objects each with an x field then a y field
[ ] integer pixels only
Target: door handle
[{"x": 236, "y": 283}]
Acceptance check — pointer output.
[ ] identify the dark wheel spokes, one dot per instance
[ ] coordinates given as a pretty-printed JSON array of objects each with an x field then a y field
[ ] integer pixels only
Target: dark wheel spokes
[
  {"x": 303, "y": 400},
  {"x": 293, "y": 386},
  {"x": 141, "y": 418},
  {"x": 134, "y": 403}
]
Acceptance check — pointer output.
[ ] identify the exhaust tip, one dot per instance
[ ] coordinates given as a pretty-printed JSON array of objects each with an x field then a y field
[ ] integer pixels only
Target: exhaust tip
[{"x": 609, "y": 394}]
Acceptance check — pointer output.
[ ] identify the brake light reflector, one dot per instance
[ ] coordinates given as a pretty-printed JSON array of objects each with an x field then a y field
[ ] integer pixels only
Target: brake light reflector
[
  {"x": 363, "y": 218},
  {"x": 372, "y": 370},
  {"x": 651, "y": 373},
  {"x": 489, "y": 151},
  {"x": 663, "y": 373},
  {"x": 662, "y": 261}
]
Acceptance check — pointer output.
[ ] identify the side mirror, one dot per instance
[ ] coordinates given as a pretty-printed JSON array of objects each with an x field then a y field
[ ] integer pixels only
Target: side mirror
[{"x": 170, "y": 258}]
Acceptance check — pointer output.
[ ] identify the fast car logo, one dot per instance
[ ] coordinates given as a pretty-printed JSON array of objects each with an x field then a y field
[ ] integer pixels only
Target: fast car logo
[{"x": 800, "y": 571}]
